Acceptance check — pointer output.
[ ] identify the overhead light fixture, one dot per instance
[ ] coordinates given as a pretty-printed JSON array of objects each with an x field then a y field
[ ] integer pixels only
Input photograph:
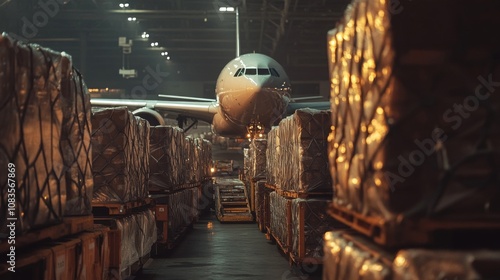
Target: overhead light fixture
[
  {"x": 226, "y": 9},
  {"x": 154, "y": 44},
  {"x": 164, "y": 53},
  {"x": 168, "y": 57},
  {"x": 124, "y": 5},
  {"x": 132, "y": 19},
  {"x": 144, "y": 35}
]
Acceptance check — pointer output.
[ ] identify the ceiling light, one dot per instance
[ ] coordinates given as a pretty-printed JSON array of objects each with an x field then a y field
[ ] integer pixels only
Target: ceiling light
[
  {"x": 164, "y": 53},
  {"x": 132, "y": 19},
  {"x": 226, "y": 9},
  {"x": 168, "y": 57},
  {"x": 145, "y": 35},
  {"x": 122, "y": 5},
  {"x": 154, "y": 44}
]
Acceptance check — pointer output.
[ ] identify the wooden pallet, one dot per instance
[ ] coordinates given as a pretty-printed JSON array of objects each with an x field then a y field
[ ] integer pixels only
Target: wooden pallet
[
  {"x": 417, "y": 232},
  {"x": 115, "y": 208},
  {"x": 69, "y": 226}
]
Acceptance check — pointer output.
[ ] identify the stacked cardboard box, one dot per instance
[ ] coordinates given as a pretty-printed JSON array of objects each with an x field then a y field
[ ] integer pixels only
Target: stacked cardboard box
[
  {"x": 176, "y": 160},
  {"x": 413, "y": 149},
  {"x": 46, "y": 149},
  {"x": 120, "y": 145},
  {"x": 297, "y": 168},
  {"x": 296, "y": 155}
]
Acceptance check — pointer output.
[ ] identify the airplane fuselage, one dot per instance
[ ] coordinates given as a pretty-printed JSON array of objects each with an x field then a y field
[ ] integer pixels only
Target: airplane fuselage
[{"x": 252, "y": 91}]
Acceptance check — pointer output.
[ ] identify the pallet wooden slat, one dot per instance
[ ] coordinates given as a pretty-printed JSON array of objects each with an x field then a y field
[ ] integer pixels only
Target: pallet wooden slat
[
  {"x": 69, "y": 226},
  {"x": 409, "y": 232}
]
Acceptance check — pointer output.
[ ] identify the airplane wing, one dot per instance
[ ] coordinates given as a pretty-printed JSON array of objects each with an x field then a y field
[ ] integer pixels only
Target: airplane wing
[
  {"x": 203, "y": 111},
  {"x": 319, "y": 105}
]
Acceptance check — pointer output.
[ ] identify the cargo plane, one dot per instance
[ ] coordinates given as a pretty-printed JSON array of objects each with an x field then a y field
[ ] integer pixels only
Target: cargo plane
[{"x": 252, "y": 94}]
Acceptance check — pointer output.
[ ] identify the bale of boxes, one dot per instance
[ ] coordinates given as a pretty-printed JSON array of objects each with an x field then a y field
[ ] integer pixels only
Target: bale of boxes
[
  {"x": 45, "y": 155},
  {"x": 292, "y": 202},
  {"x": 413, "y": 149},
  {"x": 75, "y": 194}
]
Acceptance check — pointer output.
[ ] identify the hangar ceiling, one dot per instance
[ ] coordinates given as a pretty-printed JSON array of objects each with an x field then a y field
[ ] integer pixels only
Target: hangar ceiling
[{"x": 199, "y": 38}]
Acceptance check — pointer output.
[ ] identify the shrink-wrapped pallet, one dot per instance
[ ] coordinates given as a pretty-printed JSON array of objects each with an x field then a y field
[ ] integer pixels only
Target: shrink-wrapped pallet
[
  {"x": 31, "y": 153},
  {"x": 142, "y": 155},
  {"x": 207, "y": 158},
  {"x": 77, "y": 129},
  {"x": 247, "y": 165},
  {"x": 257, "y": 151},
  {"x": 262, "y": 208},
  {"x": 280, "y": 220},
  {"x": 309, "y": 223},
  {"x": 414, "y": 111},
  {"x": 115, "y": 164},
  {"x": 414, "y": 264},
  {"x": 161, "y": 175},
  {"x": 147, "y": 234},
  {"x": 345, "y": 259},
  {"x": 297, "y": 152},
  {"x": 189, "y": 164},
  {"x": 180, "y": 211}
]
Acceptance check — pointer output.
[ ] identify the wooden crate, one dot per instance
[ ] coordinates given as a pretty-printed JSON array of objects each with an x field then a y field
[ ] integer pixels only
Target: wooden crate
[
  {"x": 35, "y": 265},
  {"x": 69, "y": 226},
  {"x": 95, "y": 254},
  {"x": 402, "y": 232}
]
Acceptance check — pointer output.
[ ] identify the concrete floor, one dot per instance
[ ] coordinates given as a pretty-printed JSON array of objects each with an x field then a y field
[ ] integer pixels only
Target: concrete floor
[{"x": 224, "y": 251}]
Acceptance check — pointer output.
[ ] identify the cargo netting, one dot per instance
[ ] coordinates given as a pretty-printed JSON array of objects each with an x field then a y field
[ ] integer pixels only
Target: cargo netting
[
  {"x": 296, "y": 155},
  {"x": 414, "y": 114}
]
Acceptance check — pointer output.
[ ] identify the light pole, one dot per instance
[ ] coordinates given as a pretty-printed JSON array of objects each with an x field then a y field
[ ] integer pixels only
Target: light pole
[{"x": 233, "y": 9}]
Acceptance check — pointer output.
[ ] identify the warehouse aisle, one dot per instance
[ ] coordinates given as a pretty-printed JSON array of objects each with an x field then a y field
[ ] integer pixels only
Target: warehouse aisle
[{"x": 223, "y": 251}]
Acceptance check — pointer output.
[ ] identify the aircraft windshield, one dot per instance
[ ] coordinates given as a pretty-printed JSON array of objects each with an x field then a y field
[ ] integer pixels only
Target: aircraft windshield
[{"x": 255, "y": 71}]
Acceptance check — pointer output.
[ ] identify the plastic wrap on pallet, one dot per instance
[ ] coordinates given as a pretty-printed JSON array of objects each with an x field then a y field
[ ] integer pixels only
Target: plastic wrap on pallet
[
  {"x": 207, "y": 158},
  {"x": 146, "y": 234},
  {"x": 114, "y": 165},
  {"x": 344, "y": 260},
  {"x": 412, "y": 112},
  {"x": 32, "y": 119},
  {"x": 297, "y": 154},
  {"x": 143, "y": 152},
  {"x": 279, "y": 222},
  {"x": 262, "y": 204},
  {"x": 190, "y": 160},
  {"x": 77, "y": 129},
  {"x": 310, "y": 221},
  {"x": 128, "y": 253},
  {"x": 180, "y": 211},
  {"x": 247, "y": 165},
  {"x": 258, "y": 149},
  {"x": 413, "y": 264},
  {"x": 273, "y": 153},
  {"x": 161, "y": 160}
]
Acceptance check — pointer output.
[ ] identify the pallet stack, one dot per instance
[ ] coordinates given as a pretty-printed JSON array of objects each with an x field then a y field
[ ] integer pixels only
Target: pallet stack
[
  {"x": 120, "y": 147},
  {"x": 179, "y": 175},
  {"x": 254, "y": 169},
  {"x": 300, "y": 185},
  {"x": 47, "y": 183},
  {"x": 413, "y": 150}
]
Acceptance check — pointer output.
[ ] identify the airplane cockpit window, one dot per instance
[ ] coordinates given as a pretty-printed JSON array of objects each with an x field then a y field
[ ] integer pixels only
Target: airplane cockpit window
[
  {"x": 274, "y": 72},
  {"x": 239, "y": 72},
  {"x": 263, "y": 71},
  {"x": 250, "y": 71}
]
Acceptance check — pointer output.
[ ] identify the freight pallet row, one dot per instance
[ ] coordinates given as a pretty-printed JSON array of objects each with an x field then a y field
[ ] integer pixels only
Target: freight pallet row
[
  {"x": 100, "y": 209},
  {"x": 131, "y": 238},
  {"x": 175, "y": 213},
  {"x": 296, "y": 225}
]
